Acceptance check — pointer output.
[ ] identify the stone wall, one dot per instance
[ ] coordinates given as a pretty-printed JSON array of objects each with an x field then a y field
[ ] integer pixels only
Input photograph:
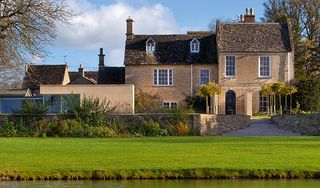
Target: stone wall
[
  {"x": 304, "y": 124},
  {"x": 211, "y": 125}
]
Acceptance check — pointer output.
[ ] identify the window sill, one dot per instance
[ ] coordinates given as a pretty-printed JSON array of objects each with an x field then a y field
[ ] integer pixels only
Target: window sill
[
  {"x": 231, "y": 77},
  {"x": 264, "y": 77},
  {"x": 163, "y": 85}
]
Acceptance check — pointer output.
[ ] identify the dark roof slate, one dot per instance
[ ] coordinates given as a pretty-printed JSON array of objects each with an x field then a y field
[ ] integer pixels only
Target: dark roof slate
[
  {"x": 90, "y": 77},
  {"x": 111, "y": 75},
  {"x": 172, "y": 49},
  {"x": 254, "y": 37},
  {"x": 43, "y": 74}
]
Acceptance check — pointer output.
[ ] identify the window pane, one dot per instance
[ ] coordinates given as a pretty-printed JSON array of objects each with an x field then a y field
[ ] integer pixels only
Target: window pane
[
  {"x": 170, "y": 77},
  {"x": 204, "y": 76},
  {"x": 163, "y": 76},
  {"x": 155, "y": 77},
  {"x": 264, "y": 66},
  {"x": 263, "y": 103},
  {"x": 230, "y": 66}
]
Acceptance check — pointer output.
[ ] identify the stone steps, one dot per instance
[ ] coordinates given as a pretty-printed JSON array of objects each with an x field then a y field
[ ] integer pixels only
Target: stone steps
[{"x": 261, "y": 127}]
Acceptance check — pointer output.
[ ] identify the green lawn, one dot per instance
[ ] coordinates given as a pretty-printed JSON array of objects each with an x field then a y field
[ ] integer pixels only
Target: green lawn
[{"x": 48, "y": 156}]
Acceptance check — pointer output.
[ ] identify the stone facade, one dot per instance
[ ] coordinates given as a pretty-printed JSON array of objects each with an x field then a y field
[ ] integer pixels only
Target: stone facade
[
  {"x": 303, "y": 124},
  {"x": 212, "y": 125},
  {"x": 186, "y": 80},
  {"x": 246, "y": 83}
]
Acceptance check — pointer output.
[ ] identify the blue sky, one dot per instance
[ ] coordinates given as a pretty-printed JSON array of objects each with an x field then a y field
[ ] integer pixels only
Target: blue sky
[{"x": 102, "y": 24}]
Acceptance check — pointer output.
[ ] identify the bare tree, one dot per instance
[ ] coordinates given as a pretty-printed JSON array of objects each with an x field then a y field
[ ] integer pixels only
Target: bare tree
[{"x": 27, "y": 27}]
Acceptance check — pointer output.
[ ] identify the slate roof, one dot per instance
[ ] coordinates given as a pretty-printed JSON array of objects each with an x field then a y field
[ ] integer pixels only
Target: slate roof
[
  {"x": 172, "y": 49},
  {"x": 254, "y": 37},
  {"x": 90, "y": 77},
  {"x": 111, "y": 75},
  {"x": 43, "y": 74}
]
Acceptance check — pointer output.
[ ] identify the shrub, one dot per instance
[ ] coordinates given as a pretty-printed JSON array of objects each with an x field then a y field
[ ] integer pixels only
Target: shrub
[
  {"x": 151, "y": 128},
  {"x": 100, "y": 132},
  {"x": 71, "y": 127},
  {"x": 7, "y": 128},
  {"x": 180, "y": 128},
  {"x": 92, "y": 111}
]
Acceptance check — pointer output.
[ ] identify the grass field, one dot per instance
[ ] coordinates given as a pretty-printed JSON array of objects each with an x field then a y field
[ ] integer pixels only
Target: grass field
[{"x": 167, "y": 157}]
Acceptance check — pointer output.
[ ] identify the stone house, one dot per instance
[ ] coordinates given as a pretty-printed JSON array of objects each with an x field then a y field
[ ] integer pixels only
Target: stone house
[{"x": 241, "y": 56}]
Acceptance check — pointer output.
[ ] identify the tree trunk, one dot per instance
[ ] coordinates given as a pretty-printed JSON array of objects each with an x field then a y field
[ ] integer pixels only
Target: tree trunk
[
  {"x": 207, "y": 105},
  {"x": 274, "y": 104},
  {"x": 290, "y": 103},
  {"x": 280, "y": 104},
  {"x": 268, "y": 107},
  {"x": 213, "y": 105}
]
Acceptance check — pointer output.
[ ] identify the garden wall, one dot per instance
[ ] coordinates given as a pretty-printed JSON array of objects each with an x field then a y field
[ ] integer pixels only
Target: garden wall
[
  {"x": 157, "y": 124},
  {"x": 304, "y": 124},
  {"x": 208, "y": 124}
]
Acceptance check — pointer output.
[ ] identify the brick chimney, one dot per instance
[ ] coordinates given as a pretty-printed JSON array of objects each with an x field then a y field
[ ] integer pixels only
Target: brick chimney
[
  {"x": 101, "y": 60},
  {"x": 129, "y": 33},
  {"x": 249, "y": 17},
  {"x": 81, "y": 70}
]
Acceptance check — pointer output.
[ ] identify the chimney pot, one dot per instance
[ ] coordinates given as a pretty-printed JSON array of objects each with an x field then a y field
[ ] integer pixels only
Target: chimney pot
[{"x": 249, "y": 17}]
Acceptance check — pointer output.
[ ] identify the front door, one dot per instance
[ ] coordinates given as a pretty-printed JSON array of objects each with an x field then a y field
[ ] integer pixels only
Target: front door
[{"x": 231, "y": 103}]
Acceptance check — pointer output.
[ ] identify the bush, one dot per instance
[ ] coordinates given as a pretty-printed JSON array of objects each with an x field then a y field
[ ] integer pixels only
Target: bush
[
  {"x": 150, "y": 128},
  {"x": 180, "y": 128},
  {"x": 95, "y": 132},
  {"x": 7, "y": 128},
  {"x": 92, "y": 111},
  {"x": 71, "y": 128}
]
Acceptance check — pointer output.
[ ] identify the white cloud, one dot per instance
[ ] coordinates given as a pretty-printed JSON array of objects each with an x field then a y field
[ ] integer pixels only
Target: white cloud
[{"x": 105, "y": 26}]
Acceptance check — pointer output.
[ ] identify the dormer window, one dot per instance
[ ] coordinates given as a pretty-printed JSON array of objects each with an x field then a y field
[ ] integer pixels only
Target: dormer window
[
  {"x": 150, "y": 46},
  {"x": 194, "y": 46}
]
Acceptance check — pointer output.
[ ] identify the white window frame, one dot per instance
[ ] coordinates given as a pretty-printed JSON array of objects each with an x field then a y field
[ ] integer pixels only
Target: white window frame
[
  {"x": 259, "y": 65},
  {"x": 263, "y": 101},
  {"x": 150, "y": 41},
  {"x": 170, "y": 104},
  {"x": 195, "y": 47},
  {"x": 225, "y": 66},
  {"x": 168, "y": 77},
  {"x": 200, "y": 76}
]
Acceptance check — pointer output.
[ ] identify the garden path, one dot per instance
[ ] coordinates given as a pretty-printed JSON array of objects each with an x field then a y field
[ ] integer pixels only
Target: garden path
[{"x": 261, "y": 127}]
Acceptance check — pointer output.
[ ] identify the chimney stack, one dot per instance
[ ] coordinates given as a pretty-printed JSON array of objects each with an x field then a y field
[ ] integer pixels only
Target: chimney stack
[
  {"x": 81, "y": 70},
  {"x": 249, "y": 17},
  {"x": 129, "y": 33},
  {"x": 101, "y": 60}
]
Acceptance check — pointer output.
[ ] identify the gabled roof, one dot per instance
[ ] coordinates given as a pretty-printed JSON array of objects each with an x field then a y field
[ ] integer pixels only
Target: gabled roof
[
  {"x": 44, "y": 74},
  {"x": 111, "y": 75},
  {"x": 254, "y": 37},
  {"x": 83, "y": 80},
  {"x": 172, "y": 49},
  {"x": 90, "y": 77}
]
